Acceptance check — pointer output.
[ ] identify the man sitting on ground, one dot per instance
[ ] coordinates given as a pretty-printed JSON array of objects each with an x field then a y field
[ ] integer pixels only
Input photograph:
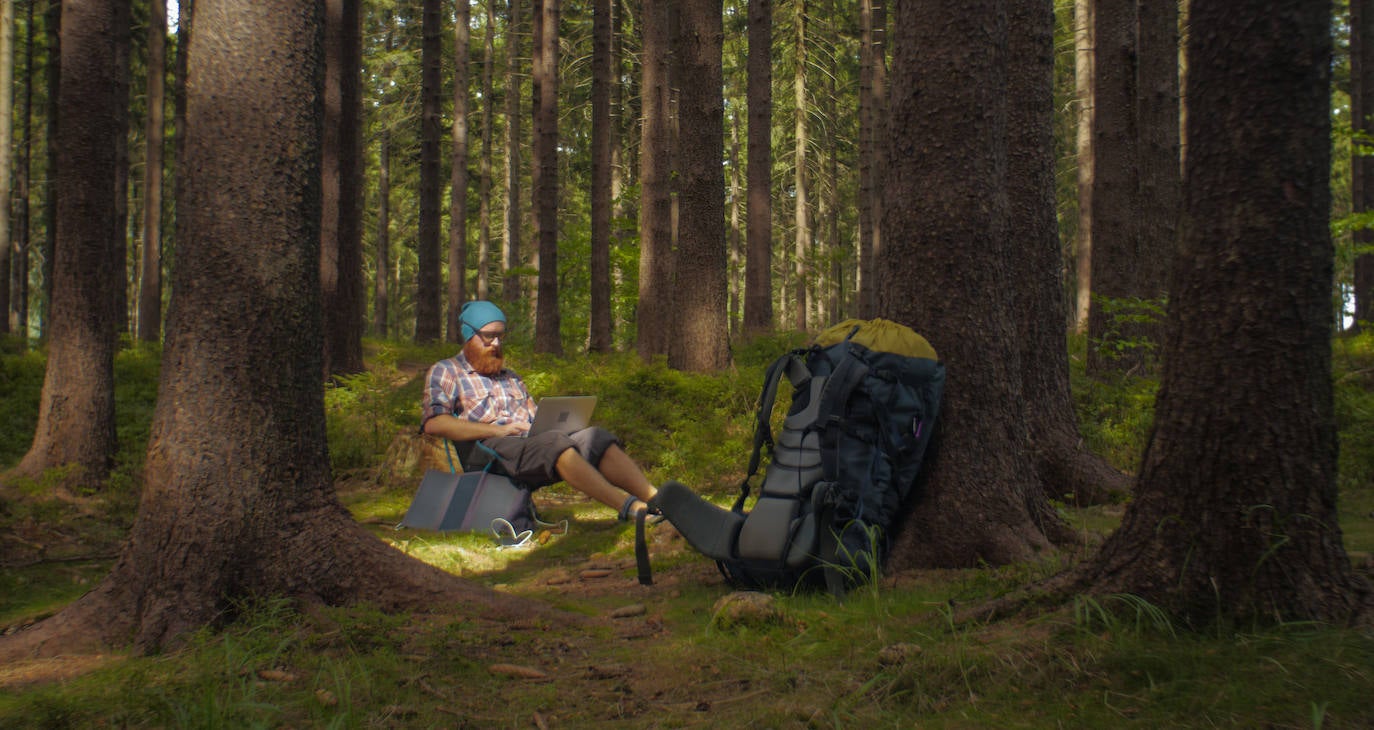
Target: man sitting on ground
[{"x": 472, "y": 396}]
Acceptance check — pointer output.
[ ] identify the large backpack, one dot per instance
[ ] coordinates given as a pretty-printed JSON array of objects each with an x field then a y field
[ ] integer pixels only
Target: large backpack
[{"x": 840, "y": 472}]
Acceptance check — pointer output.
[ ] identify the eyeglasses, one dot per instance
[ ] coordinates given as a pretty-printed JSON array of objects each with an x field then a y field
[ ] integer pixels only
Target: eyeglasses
[{"x": 490, "y": 337}]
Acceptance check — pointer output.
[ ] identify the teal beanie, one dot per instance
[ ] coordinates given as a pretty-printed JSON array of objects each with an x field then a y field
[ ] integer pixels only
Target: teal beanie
[{"x": 476, "y": 315}]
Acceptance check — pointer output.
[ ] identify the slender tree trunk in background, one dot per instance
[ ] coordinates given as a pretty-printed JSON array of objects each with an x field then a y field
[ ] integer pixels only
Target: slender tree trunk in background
[
  {"x": 600, "y": 336},
  {"x": 119, "y": 235},
  {"x": 52, "y": 28},
  {"x": 1234, "y": 519},
  {"x": 1065, "y": 467},
  {"x": 835, "y": 295},
  {"x": 76, "y": 423},
  {"x": 381, "y": 294},
  {"x": 1362, "y": 151},
  {"x": 734, "y": 231},
  {"x": 943, "y": 271},
  {"x": 655, "y": 170},
  {"x": 6, "y": 145},
  {"x": 238, "y": 500},
  {"x": 150, "y": 266},
  {"x": 864, "y": 272},
  {"x": 484, "y": 171},
  {"x": 800, "y": 178},
  {"x": 341, "y": 209},
  {"x": 428, "y": 286},
  {"x": 1161, "y": 180},
  {"x": 758, "y": 284},
  {"x": 700, "y": 341},
  {"x": 547, "y": 323},
  {"x": 1083, "y": 84},
  {"x": 1125, "y": 263},
  {"x": 185, "y": 21},
  {"x": 510, "y": 284},
  {"x": 18, "y": 314},
  {"x": 458, "y": 172}
]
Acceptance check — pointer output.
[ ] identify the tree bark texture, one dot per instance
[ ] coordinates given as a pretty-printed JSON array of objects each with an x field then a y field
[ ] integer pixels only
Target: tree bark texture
[
  {"x": 655, "y": 171},
  {"x": 458, "y": 174},
  {"x": 758, "y": 267},
  {"x": 600, "y": 336},
  {"x": 801, "y": 212},
  {"x": 943, "y": 272},
  {"x": 341, "y": 233},
  {"x": 700, "y": 339},
  {"x": 1083, "y": 85},
  {"x": 76, "y": 423},
  {"x": 1065, "y": 467},
  {"x": 510, "y": 284},
  {"x": 547, "y": 321},
  {"x": 1235, "y": 515},
  {"x": 7, "y": 140},
  {"x": 429, "y": 277},
  {"x": 150, "y": 265},
  {"x": 238, "y": 500}
]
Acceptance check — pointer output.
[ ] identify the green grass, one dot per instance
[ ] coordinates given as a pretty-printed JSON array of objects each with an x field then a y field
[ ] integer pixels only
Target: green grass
[{"x": 888, "y": 657}]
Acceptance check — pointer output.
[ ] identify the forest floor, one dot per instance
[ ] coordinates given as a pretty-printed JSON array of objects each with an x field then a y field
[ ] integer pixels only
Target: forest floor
[{"x": 600, "y": 650}]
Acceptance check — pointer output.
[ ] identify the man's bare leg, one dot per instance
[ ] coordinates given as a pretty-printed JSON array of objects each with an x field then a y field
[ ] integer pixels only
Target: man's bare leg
[{"x": 621, "y": 477}]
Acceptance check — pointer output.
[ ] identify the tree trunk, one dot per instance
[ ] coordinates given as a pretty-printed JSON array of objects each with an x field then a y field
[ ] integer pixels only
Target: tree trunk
[
  {"x": 1127, "y": 273},
  {"x": 18, "y": 315},
  {"x": 6, "y": 144},
  {"x": 1234, "y": 518},
  {"x": 1362, "y": 151},
  {"x": 381, "y": 292},
  {"x": 758, "y": 284},
  {"x": 943, "y": 271},
  {"x": 53, "y": 31},
  {"x": 510, "y": 285},
  {"x": 76, "y": 410},
  {"x": 119, "y": 236},
  {"x": 1083, "y": 84},
  {"x": 428, "y": 287},
  {"x": 655, "y": 171},
  {"x": 1066, "y": 469},
  {"x": 547, "y": 323},
  {"x": 700, "y": 341},
  {"x": 150, "y": 265},
  {"x": 458, "y": 173},
  {"x": 341, "y": 241},
  {"x": 602, "y": 131},
  {"x": 484, "y": 171},
  {"x": 238, "y": 500},
  {"x": 800, "y": 182}
]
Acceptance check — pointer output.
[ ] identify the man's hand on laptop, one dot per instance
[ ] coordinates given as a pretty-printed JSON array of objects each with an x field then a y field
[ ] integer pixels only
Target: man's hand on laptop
[{"x": 513, "y": 429}]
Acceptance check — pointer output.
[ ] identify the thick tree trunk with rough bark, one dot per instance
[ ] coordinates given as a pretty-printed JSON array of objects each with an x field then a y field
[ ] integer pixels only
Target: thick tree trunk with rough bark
[
  {"x": 76, "y": 423},
  {"x": 943, "y": 271},
  {"x": 1067, "y": 470},
  {"x": 238, "y": 500},
  {"x": 700, "y": 338},
  {"x": 1234, "y": 518}
]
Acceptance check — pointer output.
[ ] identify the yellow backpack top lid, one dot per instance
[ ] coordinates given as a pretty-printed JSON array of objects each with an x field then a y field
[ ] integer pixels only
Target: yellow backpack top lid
[{"x": 881, "y": 335}]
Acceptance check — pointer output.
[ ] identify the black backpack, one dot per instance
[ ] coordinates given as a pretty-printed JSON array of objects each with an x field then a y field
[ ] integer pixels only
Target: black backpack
[{"x": 841, "y": 469}]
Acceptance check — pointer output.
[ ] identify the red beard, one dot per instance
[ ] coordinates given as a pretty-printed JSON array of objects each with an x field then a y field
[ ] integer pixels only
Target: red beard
[{"x": 486, "y": 360}]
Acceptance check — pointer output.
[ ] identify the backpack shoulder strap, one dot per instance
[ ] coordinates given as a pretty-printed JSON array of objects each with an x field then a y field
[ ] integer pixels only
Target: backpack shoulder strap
[{"x": 793, "y": 366}]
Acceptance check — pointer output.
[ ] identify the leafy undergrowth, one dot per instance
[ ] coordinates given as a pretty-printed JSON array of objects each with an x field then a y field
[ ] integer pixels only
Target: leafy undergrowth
[{"x": 663, "y": 655}]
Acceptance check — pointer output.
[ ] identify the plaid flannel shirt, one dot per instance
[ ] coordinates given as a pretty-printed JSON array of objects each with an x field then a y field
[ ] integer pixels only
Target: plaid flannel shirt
[{"x": 453, "y": 387}]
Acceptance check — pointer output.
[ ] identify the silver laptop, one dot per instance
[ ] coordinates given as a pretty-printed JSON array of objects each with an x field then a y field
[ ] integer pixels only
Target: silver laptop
[{"x": 565, "y": 413}]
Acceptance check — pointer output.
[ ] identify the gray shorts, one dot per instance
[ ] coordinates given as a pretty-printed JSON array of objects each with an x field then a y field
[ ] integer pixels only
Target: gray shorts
[{"x": 533, "y": 459}]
